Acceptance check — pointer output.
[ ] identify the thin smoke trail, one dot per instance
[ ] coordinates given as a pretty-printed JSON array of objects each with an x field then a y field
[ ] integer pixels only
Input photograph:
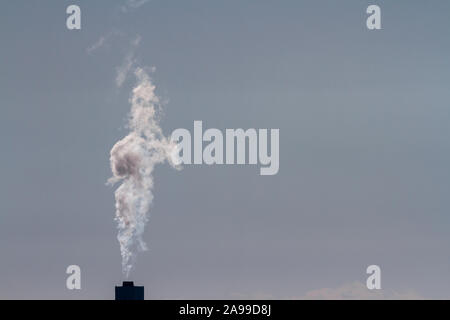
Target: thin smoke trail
[{"x": 132, "y": 162}]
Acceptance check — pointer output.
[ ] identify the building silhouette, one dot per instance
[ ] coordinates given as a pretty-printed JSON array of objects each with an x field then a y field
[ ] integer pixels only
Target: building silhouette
[{"x": 128, "y": 291}]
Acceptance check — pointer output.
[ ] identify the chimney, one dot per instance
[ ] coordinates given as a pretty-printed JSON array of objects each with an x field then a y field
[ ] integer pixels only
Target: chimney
[{"x": 129, "y": 292}]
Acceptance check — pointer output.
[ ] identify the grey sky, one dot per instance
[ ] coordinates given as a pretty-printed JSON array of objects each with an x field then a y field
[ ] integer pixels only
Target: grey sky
[{"x": 364, "y": 148}]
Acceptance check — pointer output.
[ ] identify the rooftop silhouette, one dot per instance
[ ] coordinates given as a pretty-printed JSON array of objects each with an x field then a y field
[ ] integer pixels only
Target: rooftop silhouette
[{"x": 128, "y": 291}]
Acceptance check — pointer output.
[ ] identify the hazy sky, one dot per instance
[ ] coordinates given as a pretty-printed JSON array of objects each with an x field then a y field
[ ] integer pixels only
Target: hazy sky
[{"x": 364, "y": 147}]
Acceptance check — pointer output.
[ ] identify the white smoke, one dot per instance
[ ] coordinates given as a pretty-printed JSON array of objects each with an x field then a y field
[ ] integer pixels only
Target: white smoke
[
  {"x": 128, "y": 62},
  {"x": 133, "y": 4},
  {"x": 132, "y": 162}
]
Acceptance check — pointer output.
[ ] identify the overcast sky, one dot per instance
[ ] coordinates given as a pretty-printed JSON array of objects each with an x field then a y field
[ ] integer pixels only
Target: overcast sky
[{"x": 364, "y": 147}]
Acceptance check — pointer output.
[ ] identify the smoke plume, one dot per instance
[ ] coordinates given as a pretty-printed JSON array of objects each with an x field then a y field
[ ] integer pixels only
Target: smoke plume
[{"x": 132, "y": 162}]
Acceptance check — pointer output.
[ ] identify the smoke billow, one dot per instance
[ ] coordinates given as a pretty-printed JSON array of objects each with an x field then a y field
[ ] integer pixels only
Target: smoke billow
[{"x": 132, "y": 162}]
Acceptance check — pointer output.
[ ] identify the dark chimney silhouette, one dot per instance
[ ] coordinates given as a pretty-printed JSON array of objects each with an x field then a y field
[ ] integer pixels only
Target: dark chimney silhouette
[{"x": 128, "y": 291}]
